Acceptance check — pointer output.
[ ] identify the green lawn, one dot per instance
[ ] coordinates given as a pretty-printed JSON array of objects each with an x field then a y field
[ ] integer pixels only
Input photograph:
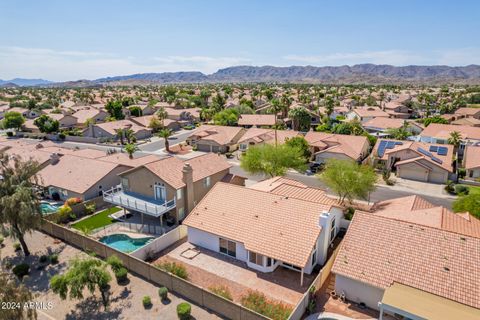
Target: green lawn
[
  {"x": 472, "y": 105},
  {"x": 101, "y": 219},
  {"x": 474, "y": 189}
]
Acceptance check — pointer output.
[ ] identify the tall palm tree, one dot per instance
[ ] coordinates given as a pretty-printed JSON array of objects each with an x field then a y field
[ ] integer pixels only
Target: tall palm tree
[
  {"x": 165, "y": 134},
  {"x": 276, "y": 108},
  {"x": 120, "y": 134},
  {"x": 130, "y": 149},
  {"x": 455, "y": 139}
]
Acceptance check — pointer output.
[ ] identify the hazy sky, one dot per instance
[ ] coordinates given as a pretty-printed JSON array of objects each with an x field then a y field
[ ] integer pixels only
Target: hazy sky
[{"x": 70, "y": 39}]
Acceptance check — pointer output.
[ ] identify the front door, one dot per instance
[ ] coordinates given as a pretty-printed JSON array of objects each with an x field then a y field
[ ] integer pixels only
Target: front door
[{"x": 160, "y": 193}]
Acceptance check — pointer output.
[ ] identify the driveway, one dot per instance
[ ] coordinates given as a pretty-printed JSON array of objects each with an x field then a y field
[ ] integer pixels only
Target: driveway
[{"x": 159, "y": 143}]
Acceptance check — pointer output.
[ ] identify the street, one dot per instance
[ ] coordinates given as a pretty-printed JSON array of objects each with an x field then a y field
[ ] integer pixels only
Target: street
[{"x": 179, "y": 137}]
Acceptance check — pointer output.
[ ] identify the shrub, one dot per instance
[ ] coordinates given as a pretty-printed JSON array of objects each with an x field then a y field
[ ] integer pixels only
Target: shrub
[
  {"x": 184, "y": 310},
  {"x": 63, "y": 214},
  {"x": 1, "y": 240},
  {"x": 163, "y": 293},
  {"x": 43, "y": 259},
  {"x": 461, "y": 189},
  {"x": 61, "y": 136},
  {"x": 9, "y": 134},
  {"x": 174, "y": 268},
  {"x": 462, "y": 173},
  {"x": 72, "y": 201},
  {"x": 16, "y": 246},
  {"x": 450, "y": 187},
  {"x": 115, "y": 263},
  {"x": 349, "y": 213},
  {"x": 21, "y": 270},
  {"x": 121, "y": 275},
  {"x": 257, "y": 302},
  {"x": 54, "y": 258},
  {"x": 90, "y": 208},
  {"x": 222, "y": 291},
  {"x": 146, "y": 301}
]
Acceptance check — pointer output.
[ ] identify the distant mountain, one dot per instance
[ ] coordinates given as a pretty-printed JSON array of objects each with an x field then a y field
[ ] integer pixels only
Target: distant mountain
[
  {"x": 8, "y": 85},
  {"x": 357, "y": 74},
  {"x": 25, "y": 82}
]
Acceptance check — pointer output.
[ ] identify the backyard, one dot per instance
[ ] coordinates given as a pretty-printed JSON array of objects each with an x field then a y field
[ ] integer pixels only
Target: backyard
[{"x": 98, "y": 220}]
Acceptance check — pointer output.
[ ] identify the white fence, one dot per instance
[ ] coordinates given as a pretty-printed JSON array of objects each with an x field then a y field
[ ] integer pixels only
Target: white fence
[{"x": 161, "y": 242}]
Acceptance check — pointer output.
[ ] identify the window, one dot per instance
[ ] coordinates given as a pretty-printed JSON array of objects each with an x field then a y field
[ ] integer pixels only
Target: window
[
  {"x": 269, "y": 262},
  {"x": 125, "y": 183},
  {"x": 206, "y": 182},
  {"x": 181, "y": 213},
  {"x": 228, "y": 247},
  {"x": 332, "y": 231},
  {"x": 291, "y": 266},
  {"x": 255, "y": 258},
  {"x": 179, "y": 194}
]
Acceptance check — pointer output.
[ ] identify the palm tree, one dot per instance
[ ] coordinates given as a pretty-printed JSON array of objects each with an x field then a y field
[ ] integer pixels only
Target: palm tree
[
  {"x": 130, "y": 149},
  {"x": 165, "y": 134},
  {"x": 455, "y": 139},
  {"x": 129, "y": 135},
  {"x": 276, "y": 108},
  {"x": 120, "y": 135},
  {"x": 161, "y": 114}
]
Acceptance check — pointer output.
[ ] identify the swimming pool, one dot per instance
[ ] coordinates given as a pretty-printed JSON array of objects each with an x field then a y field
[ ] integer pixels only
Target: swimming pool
[
  {"x": 124, "y": 243},
  {"x": 48, "y": 208}
]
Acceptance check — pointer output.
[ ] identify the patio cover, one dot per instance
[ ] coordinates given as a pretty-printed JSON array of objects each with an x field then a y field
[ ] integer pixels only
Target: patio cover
[{"x": 424, "y": 305}]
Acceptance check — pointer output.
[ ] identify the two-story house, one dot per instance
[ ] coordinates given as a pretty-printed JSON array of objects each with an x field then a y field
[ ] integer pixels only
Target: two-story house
[{"x": 168, "y": 188}]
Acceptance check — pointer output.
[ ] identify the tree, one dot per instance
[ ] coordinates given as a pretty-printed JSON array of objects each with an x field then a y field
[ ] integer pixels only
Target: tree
[
  {"x": 11, "y": 291},
  {"x": 227, "y": 117},
  {"x": 13, "y": 120},
  {"x": 135, "y": 111},
  {"x": 115, "y": 109},
  {"x": 301, "y": 118},
  {"x": 275, "y": 108},
  {"x": 155, "y": 124},
  {"x": 161, "y": 114},
  {"x": 272, "y": 160},
  {"x": 120, "y": 134},
  {"x": 19, "y": 205},
  {"x": 348, "y": 179},
  {"x": 455, "y": 139},
  {"x": 46, "y": 124},
  {"x": 130, "y": 149},
  {"x": 90, "y": 273},
  {"x": 301, "y": 144},
  {"x": 435, "y": 119},
  {"x": 469, "y": 203},
  {"x": 165, "y": 134},
  {"x": 353, "y": 127},
  {"x": 401, "y": 133},
  {"x": 329, "y": 105}
]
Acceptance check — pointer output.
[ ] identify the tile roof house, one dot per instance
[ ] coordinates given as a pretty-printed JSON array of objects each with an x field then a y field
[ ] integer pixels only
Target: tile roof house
[
  {"x": 468, "y": 113},
  {"x": 67, "y": 177},
  {"x": 381, "y": 125},
  {"x": 167, "y": 187},
  {"x": 415, "y": 160},
  {"x": 255, "y": 136},
  {"x": 144, "y": 121},
  {"x": 471, "y": 162},
  {"x": 338, "y": 146},
  {"x": 185, "y": 115},
  {"x": 439, "y": 133},
  {"x": 256, "y": 120},
  {"x": 397, "y": 110},
  {"x": 470, "y": 121},
  {"x": 381, "y": 252},
  {"x": 108, "y": 130},
  {"x": 210, "y": 138},
  {"x": 86, "y": 113},
  {"x": 364, "y": 114},
  {"x": 225, "y": 221}
]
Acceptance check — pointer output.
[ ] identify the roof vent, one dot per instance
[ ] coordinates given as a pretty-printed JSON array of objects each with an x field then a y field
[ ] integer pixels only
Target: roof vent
[{"x": 446, "y": 268}]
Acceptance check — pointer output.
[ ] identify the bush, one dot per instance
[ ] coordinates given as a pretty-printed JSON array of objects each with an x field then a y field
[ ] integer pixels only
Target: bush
[
  {"x": 257, "y": 302},
  {"x": 462, "y": 173},
  {"x": 61, "y": 136},
  {"x": 43, "y": 259},
  {"x": 90, "y": 208},
  {"x": 54, "y": 258},
  {"x": 63, "y": 214},
  {"x": 174, "y": 268},
  {"x": 21, "y": 270},
  {"x": 222, "y": 291},
  {"x": 349, "y": 213},
  {"x": 461, "y": 189},
  {"x": 1, "y": 240},
  {"x": 147, "y": 301},
  {"x": 16, "y": 246},
  {"x": 450, "y": 187},
  {"x": 72, "y": 201},
  {"x": 121, "y": 275},
  {"x": 163, "y": 293},
  {"x": 115, "y": 263},
  {"x": 184, "y": 310}
]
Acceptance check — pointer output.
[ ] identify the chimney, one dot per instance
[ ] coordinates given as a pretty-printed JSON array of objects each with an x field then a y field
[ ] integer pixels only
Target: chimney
[
  {"x": 187, "y": 178},
  {"x": 54, "y": 158},
  {"x": 325, "y": 222}
]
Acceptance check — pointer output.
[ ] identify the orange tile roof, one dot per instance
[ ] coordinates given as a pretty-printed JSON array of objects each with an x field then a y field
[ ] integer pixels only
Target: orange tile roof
[
  {"x": 279, "y": 227},
  {"x": 472, "y": 157},
  {"x": 352, "y": 146},
  {"x": 256, "y": 120},
  {"x": 380, "y": 251},
  {"x": 384, "y": 123},
  {"x": 442, "y": 131},
  {"x": 370, "y": 112},
  {"x": 170, "y": 169},
  {"x": 260, "y": 135},
  {"x": 222, "y": 135}
]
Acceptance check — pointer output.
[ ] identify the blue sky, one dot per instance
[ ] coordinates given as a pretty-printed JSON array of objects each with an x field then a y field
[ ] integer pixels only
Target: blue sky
[{"x": 68, "y": 40}]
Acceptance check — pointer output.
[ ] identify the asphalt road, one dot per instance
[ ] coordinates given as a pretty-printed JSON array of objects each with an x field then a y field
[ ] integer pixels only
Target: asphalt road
[
  {"x": 380, "y": 194},
  {"x": 160, "y": 144}
]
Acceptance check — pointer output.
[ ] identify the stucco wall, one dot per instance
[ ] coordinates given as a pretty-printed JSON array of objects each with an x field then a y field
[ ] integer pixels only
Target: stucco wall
[
  {"x": 358, "y": 292},
  {"x": 110, "y": 180}
]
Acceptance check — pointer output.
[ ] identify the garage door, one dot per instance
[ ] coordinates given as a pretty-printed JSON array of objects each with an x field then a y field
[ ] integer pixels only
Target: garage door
[
  {"x": 412, "y": 174},
  {"x": 203, "y": 147},
  {"x": 215, "y": 149},
  {"x": 437, "y": 177}
]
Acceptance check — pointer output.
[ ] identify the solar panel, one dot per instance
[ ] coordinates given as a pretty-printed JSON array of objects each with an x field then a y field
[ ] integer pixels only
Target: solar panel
[
  {"x": 390, "y": 144},
  {"x": 399, "y": 143},
  {"x": 433, "y": 148},
  {"x": 425, "y": 152},
  {"x": 381, "y": 148},
  {"x": 437, "y": 160},
  {"x": 442, "y": 151}
]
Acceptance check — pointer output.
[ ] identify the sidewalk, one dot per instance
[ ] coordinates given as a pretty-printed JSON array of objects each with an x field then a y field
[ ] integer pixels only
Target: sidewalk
[{"x": 417, "y": 187}]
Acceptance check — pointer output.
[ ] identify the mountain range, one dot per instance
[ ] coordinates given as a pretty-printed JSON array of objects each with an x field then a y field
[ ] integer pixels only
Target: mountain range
[
  {"x": 361, "y": 73},
  {"x": 20, "y": 82}
]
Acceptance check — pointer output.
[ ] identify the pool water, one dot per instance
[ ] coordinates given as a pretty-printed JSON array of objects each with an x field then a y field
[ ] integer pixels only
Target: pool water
[
  {"x": 48, "y": 208},
  {"x": 124, "y": 243}
]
